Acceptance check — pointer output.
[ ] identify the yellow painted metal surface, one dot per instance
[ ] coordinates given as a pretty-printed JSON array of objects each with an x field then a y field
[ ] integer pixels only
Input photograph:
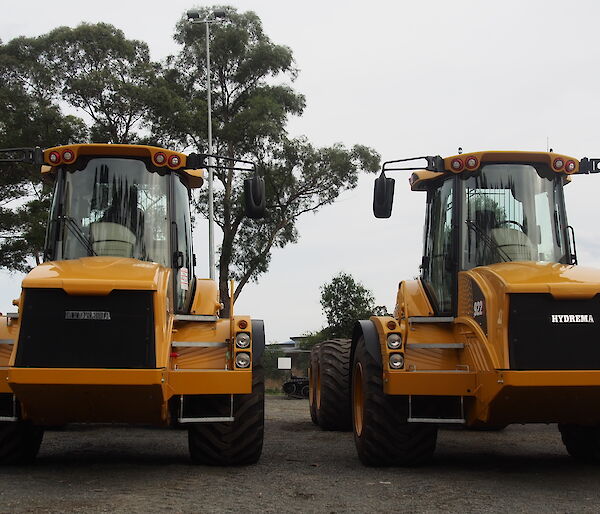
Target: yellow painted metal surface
[
  {"x": 210, "y": 382},
  {"x": 95, "y": 275},
  {"x": 442, "y": 383},
  {"x": 560, "y": 280},
  {"x": 420, "y": 179},
  {"x": 204, "y": 366},
  {"x": 476, "y": 369},
  {"x": 100, "y": 149},
  {"x": 206, "y": 297}
]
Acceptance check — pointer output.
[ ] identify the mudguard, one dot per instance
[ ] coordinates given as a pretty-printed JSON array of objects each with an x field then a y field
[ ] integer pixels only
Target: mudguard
[
  {"x": 258, "y": 338},
  {"x": 367, "y": 329}
]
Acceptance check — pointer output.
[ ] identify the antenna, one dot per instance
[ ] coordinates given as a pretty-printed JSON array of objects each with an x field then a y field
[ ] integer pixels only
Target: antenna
[{"x": 547, "y": 144}]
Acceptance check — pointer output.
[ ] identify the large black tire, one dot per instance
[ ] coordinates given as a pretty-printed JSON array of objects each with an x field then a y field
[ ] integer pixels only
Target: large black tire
[
  {"x": 312, "y": 383},
  {"x": 19, "y": 442},
  {"x": 334, "y": 411},
  {"x": 582, "y": 443},
  {"x": 382, "y": 435},
  {"x": 235, "y": 443}
]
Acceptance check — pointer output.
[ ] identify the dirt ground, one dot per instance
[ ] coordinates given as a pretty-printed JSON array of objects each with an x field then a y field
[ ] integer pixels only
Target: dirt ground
[{"x": 116, "y": 469}]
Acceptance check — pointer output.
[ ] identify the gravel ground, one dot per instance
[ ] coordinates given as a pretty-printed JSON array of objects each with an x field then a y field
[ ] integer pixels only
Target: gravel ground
[{"x": 105, "y": 469}]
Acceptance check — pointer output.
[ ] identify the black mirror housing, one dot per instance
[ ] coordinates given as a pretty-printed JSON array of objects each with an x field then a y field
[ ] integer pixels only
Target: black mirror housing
[
  {"x": 383, "y": 196},
  {"x": 255, "y": 197}
]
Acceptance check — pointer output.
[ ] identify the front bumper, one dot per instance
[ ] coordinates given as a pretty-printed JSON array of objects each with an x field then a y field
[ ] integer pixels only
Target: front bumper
[
  {"x": 504, "y": 396},
  {"x": 65, "y": 395}
]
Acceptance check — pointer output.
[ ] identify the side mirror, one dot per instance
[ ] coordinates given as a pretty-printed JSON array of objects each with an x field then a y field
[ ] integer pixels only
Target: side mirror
[
  {"x": 255, "y": 197},
  {"x": 383, "y": 196}
]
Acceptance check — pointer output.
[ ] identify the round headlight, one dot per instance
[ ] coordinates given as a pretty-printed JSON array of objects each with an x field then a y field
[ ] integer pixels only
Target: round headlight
[
  {"x": 242, "y": 360},
  {"x": 394, "y": 341},
  {"x": 396, "y": 361},
  {"x": 242, "y": 340}
]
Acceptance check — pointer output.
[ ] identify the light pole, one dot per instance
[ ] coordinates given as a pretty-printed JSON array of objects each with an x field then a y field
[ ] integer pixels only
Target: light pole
[{"x": 194, "y": 17}]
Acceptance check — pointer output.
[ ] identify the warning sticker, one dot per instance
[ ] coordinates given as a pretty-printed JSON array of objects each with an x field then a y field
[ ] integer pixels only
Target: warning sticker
[{"x": 184, "y": 278}]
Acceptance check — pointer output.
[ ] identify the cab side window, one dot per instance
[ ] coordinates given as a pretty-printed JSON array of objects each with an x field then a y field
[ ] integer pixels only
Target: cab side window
[
  {"x": 183, "y": 267},
  {"x": 438, "y": 271}
]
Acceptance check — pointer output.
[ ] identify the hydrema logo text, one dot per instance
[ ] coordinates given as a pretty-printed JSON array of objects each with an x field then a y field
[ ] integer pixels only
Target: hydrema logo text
[
  {"x": 572, "y": 318},
  {"x": 89, "y": 315}
]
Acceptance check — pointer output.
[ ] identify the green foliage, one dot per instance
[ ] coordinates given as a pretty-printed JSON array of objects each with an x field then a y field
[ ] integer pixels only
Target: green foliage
[
  {"x": 96, "y": 70},
  {"x": 27, "y": 118},
  {"x": 312, "y": 338},
  {"x": 99, "y": 71},
  {"x": 345, "y": 301},
  {"x": 93, "y": 68},
  {"x": 251, "y": 105}
]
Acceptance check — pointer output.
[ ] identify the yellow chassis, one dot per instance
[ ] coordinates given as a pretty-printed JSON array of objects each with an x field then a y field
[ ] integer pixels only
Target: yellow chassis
[{"x": 503, "y": 397}]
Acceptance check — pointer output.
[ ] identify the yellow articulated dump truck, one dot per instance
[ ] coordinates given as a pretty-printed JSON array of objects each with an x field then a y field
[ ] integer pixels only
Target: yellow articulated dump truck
[
  {"x": 114, "y": 326},
  {"x": 501, "y": 327}
]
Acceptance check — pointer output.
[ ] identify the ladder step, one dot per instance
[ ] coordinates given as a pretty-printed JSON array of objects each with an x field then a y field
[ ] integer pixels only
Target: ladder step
[
  {"x": 436, "y": 346},
  {"x": 195, "y": 317},
  {"x": 206, "y": 420},
  {"x": 454, "y": 421},
  {"x": 430, "y": 319},
  {"x": 7, "y": 341},
  {"x": 197, "y": 344}
]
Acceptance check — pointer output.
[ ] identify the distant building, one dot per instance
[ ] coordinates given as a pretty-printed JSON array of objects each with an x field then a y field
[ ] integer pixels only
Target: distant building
[{"x": 291, "y": 346}]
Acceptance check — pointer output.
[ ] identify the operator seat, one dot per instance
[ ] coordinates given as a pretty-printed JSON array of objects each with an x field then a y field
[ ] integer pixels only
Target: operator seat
[
  {"x": 513, "y": 243},
  {"x": 112, "y": 239}
]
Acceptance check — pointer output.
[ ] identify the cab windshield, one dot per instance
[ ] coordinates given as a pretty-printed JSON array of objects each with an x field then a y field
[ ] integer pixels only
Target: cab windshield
[
  {"x": 111, "y": 206},
  {"x": 513, "y": 212}
]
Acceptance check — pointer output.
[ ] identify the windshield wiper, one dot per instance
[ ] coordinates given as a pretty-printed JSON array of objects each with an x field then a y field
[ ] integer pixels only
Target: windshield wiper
[
  {"x": 75, "y": 229},
  {"x": 488, "y": 241}
]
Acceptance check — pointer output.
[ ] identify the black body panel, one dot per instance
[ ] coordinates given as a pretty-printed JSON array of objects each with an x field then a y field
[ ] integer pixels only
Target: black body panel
[
  {"x": 536, "y": 342},
  {"x": 63, "y": 331}
]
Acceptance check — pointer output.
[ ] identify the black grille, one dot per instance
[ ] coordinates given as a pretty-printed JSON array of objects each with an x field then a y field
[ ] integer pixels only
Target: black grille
[
  {"x": 536, "y": 342},
  {"x": 63, "y": 331}
]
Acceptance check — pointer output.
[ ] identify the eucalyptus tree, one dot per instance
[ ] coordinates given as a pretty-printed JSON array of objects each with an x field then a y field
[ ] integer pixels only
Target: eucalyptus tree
[{"x": 252, "y": 102}]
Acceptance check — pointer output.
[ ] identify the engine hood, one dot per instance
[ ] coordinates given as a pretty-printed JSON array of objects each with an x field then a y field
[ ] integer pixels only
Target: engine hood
[
  {"x": 96, "y": 275},
  {"x": 560, "y": 280}
]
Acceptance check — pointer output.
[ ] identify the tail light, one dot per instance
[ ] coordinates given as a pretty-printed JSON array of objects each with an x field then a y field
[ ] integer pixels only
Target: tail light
[
  {"x": 160, "y": 159},
  {"x": 471, "y": 163},
  {"x": 54, "y": 157},
  {"x": 457, "y": 164},
  {"x": 558, "y": 164},
  {"x": 68, "y": 156},
  {"x": 174, "y": 161},
  {"x": 570, "y": 166}
]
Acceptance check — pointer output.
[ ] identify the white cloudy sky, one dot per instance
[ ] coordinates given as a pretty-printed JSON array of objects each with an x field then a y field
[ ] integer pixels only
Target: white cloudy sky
[{"x": 407, "y": 78}]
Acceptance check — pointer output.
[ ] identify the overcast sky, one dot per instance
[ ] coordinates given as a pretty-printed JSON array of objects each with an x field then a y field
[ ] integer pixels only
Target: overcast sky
[{"x": 406, "y": 78}]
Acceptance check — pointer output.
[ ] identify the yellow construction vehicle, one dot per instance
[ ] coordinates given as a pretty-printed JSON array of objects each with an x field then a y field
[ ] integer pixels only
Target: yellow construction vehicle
[
  {"x": 114, "y": 326},
  {"x": 501, "y": 327}
]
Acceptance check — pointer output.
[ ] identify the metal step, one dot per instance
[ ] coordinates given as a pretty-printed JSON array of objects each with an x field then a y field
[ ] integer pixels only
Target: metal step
[
  {"x": 440, "y": 421},
  {"x": 208, "y": 419},
  {"x": 7, "y": 341},
  {"x": 205, "y": 420},
  {"x": 430, "y": 319},
  {"x": 437, "y": 346},
  {"x": 197, "y": 344},
  {"x": 195, "y": 317}
]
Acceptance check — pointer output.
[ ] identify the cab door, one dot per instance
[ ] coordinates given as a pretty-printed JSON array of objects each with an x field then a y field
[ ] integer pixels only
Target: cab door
[
  {"x": 183, "y": 258},
  {"x": 438, "y": 270}
]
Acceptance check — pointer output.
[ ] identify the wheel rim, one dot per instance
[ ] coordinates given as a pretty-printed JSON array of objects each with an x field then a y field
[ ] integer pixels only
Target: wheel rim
[{"x": 357, "y": 399}]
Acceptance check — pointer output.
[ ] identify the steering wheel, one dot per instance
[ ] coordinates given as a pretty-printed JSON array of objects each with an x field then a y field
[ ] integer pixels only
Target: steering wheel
[{"x": 504, "y": 222}]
